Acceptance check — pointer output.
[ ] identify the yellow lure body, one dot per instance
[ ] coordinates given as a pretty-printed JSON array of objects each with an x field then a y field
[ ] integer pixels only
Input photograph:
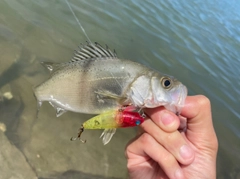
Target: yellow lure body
[{"x": 103, "y": 121}]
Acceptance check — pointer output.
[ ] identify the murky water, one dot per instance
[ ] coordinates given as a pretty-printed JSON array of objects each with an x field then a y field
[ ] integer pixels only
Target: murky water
[{"x": 196, "y": 41}]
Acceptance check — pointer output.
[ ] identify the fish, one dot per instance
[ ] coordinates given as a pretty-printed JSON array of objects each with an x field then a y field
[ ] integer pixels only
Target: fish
[
  {"x": 95, "y": 80},
  {"x": 128, "y": 116}
]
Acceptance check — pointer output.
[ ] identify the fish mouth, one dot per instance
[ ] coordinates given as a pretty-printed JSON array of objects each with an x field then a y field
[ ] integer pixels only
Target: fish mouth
[
  {"x": 176, "y": 99},
  {"x": 181, "y": 98}
]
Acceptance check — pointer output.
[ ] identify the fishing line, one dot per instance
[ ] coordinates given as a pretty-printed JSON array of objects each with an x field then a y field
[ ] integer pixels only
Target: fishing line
[{"x": 80, "y": 25}]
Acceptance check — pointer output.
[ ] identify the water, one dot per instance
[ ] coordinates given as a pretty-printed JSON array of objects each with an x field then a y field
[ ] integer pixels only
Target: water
[{"x": 196, "y": 41}]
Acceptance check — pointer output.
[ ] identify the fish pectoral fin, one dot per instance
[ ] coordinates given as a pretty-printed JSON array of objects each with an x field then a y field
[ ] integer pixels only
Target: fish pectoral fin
[
  {"x": 59, "y": 111},
  {"x": 108, "y": 94},
  {"x": 107, "y": 135}
]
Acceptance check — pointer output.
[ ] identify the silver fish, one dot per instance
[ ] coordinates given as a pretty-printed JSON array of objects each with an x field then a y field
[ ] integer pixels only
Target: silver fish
[{"x": 95, "y": 81}]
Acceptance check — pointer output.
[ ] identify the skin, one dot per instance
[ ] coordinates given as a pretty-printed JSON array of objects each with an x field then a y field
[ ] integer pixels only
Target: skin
[{"x": 163, "y": 151}]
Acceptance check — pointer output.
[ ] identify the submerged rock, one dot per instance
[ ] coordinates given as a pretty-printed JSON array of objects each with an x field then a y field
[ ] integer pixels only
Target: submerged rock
[
  {"x": 78, "y": 174},
  {"x": 13, "y": 164}
]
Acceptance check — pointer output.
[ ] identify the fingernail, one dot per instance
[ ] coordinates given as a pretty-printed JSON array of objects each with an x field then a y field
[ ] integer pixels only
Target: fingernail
[
  {"x": 167, "y": 119},
  {"x": 178, "y": 174},
  {"x": 186, "y": 152}
]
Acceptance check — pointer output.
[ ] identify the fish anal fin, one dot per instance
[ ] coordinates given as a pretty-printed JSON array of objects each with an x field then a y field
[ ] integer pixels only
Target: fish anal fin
[{"x": 107, "y": 135}]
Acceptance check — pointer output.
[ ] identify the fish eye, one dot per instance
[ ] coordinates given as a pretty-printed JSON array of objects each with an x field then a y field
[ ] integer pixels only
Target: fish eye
[{"x": 166, "y": 83}]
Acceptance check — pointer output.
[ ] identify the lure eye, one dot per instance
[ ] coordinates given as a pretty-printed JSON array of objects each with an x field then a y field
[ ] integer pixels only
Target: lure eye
[
  {"x": 138, "y": 122},
  {"x": 166, "y": 83}
]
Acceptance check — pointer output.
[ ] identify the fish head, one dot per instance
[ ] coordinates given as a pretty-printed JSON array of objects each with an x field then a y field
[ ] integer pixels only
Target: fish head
[{"x": 167, "y": 91}]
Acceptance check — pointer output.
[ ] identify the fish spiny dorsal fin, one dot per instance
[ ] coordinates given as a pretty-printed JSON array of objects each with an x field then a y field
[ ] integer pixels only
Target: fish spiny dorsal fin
[{"x": 90, "y": 51}]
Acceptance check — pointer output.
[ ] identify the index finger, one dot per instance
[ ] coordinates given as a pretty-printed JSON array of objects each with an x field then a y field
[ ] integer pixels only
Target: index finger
[{"x": 163, "y": 118}]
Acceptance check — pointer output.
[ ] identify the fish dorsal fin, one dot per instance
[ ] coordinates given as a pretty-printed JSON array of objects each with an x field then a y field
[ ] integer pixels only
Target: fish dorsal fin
[{"x": 90, "y": 51}]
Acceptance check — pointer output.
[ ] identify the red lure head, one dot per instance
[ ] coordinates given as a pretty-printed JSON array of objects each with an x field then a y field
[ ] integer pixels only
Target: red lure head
[{"x": 129, "y": 118}]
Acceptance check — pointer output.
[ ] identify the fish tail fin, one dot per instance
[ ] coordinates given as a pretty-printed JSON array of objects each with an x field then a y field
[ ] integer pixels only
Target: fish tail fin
[
  {"x": 107, "y": 135},
  {"x": 39, "y": 104}
]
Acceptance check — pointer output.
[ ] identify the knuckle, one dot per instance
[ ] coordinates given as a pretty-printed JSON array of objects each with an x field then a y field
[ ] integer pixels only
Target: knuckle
[
  {"x": 169, "y": 158},
  {"x": 203, "y": 101},
  {"x": 146, "y": 139}
]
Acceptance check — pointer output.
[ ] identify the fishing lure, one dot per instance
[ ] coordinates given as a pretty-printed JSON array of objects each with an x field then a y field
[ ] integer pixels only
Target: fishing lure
[{"x": 128, "y": 116}]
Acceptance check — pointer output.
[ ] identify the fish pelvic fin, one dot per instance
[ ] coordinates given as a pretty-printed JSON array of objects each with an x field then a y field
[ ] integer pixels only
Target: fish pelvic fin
[
  {"x": 90, "y": 51},
  {"x": 107, "y": 135}
]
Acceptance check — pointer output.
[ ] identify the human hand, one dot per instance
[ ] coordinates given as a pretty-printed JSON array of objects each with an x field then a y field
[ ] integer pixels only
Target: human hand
[{"x": 162, "y": 151}]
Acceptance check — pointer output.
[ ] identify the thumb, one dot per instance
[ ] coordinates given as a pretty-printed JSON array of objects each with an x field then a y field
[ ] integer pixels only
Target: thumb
[{"x": 200, "y": 129}]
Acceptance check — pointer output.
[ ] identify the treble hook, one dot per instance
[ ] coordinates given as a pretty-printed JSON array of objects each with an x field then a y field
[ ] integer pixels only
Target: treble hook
[
  {"x": 79, "y": 135},
  {"x": 141, "y": 112}
]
